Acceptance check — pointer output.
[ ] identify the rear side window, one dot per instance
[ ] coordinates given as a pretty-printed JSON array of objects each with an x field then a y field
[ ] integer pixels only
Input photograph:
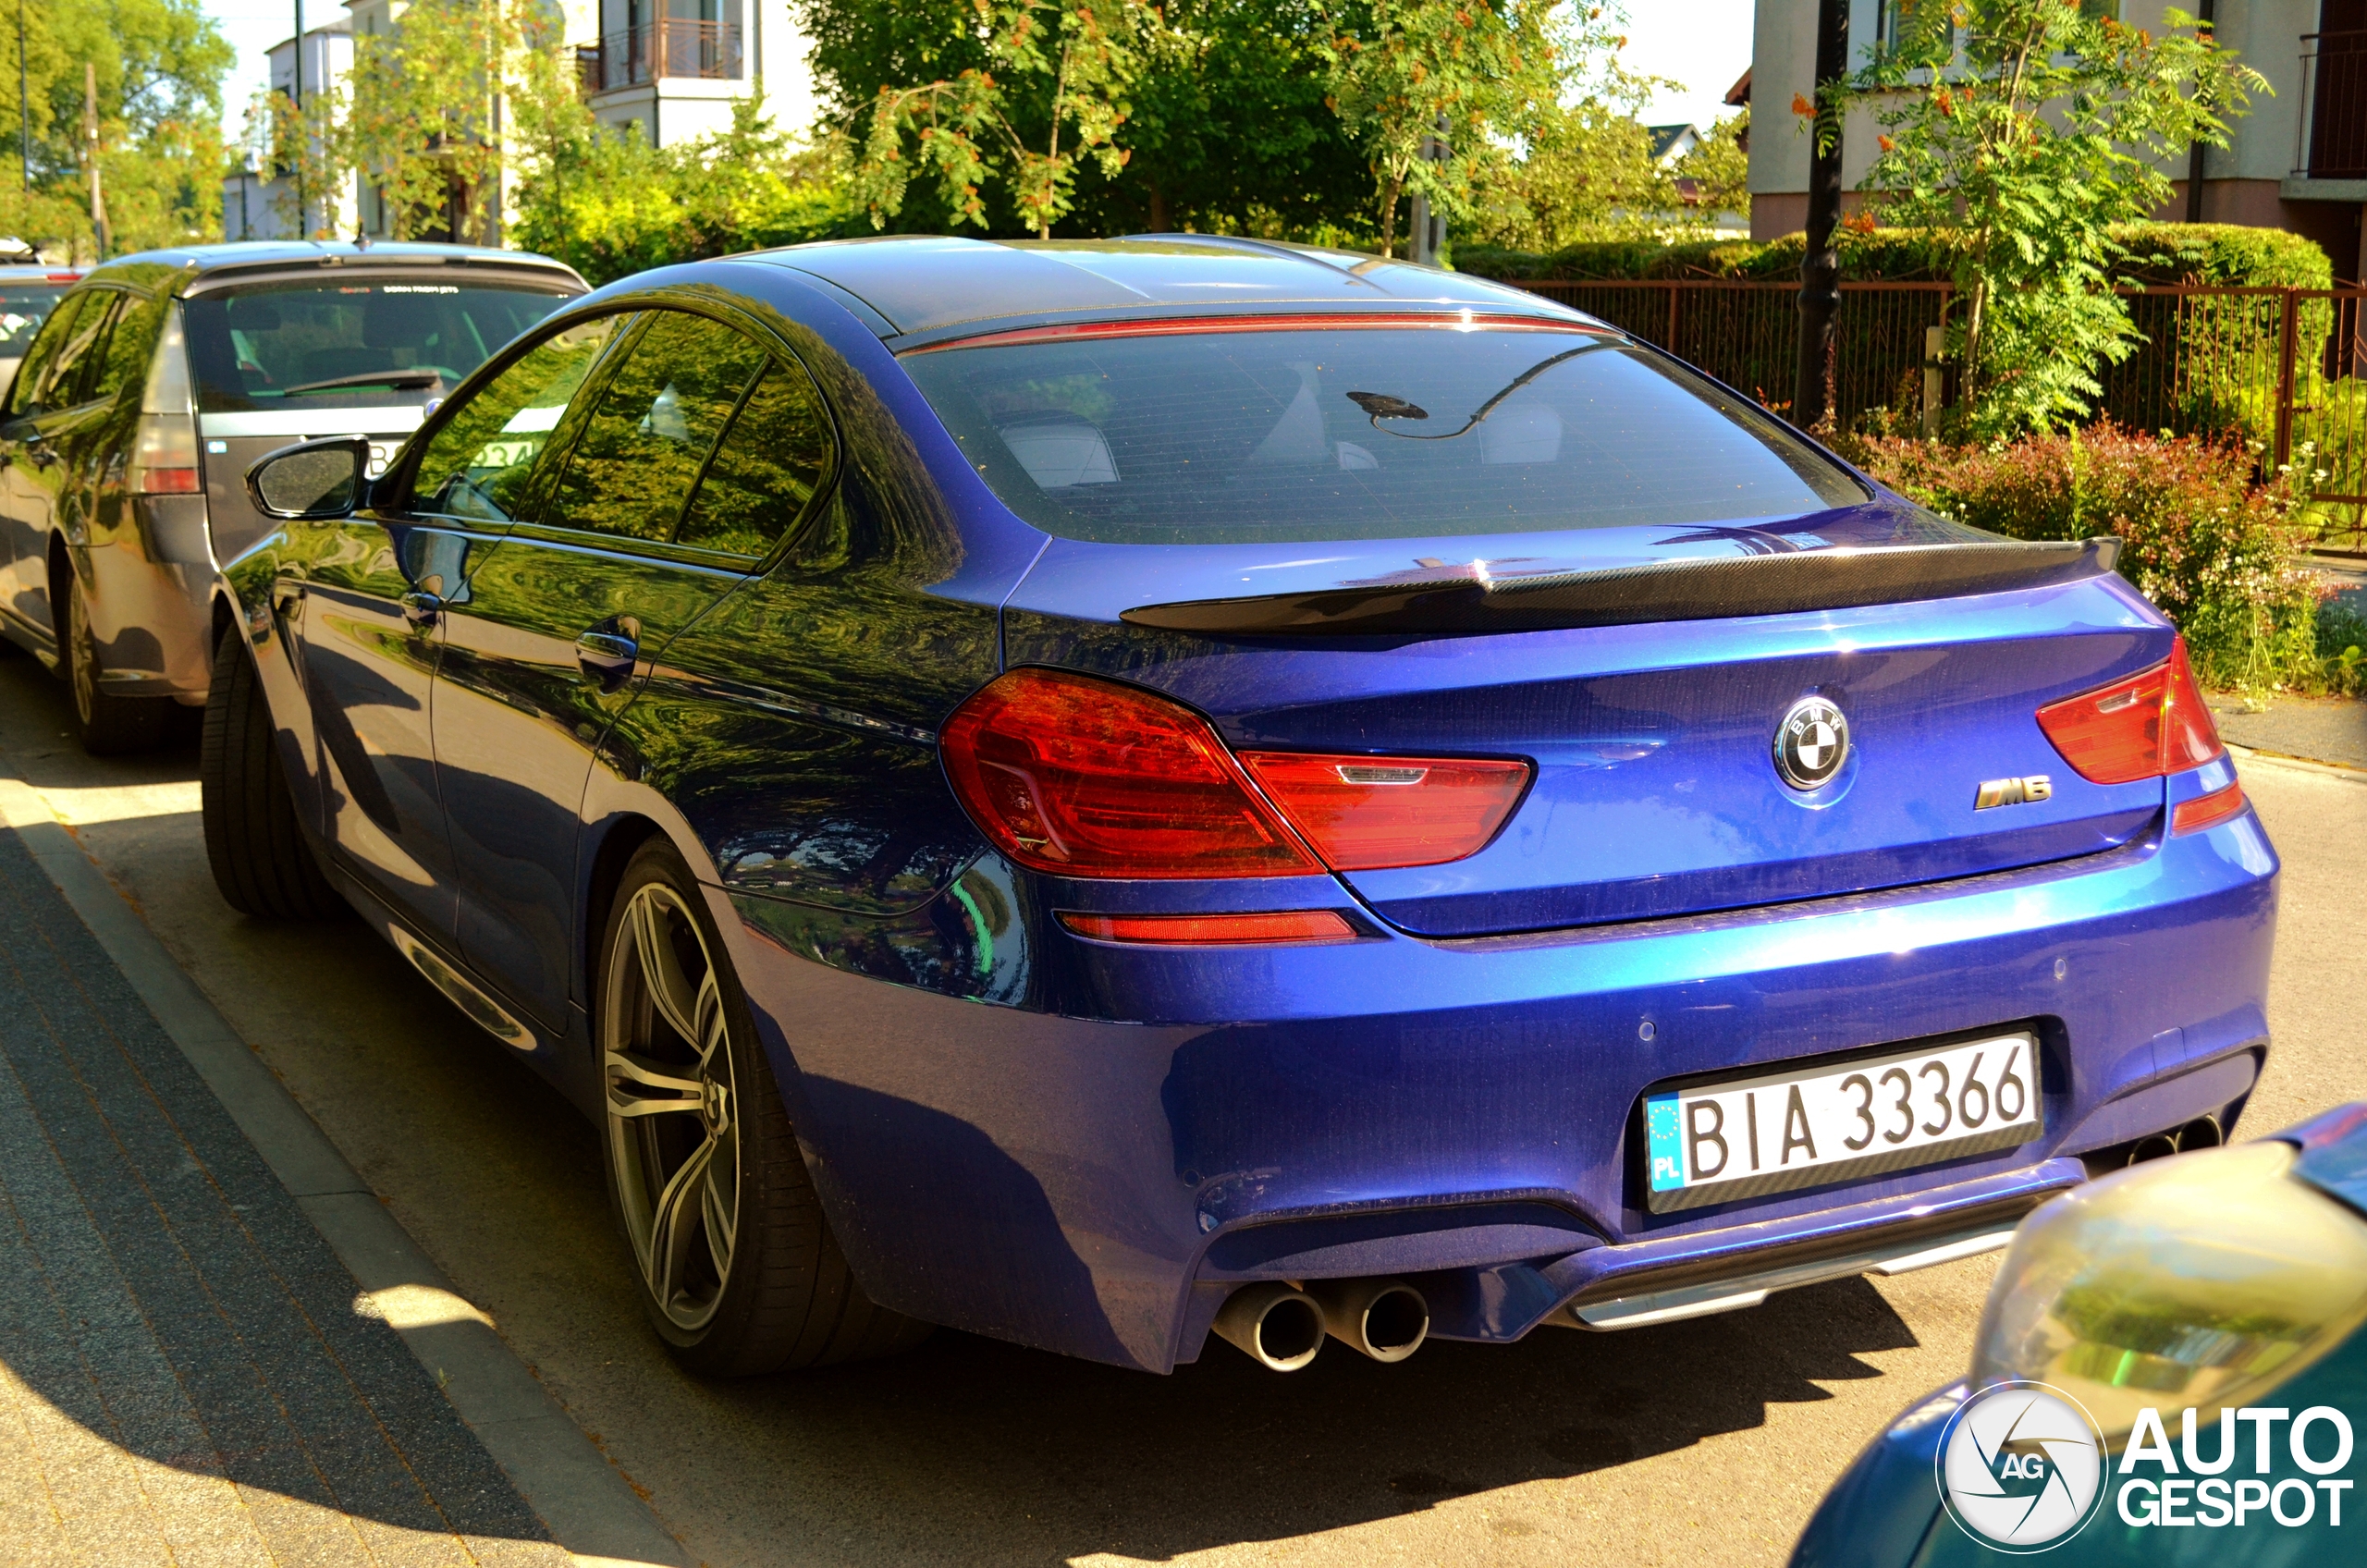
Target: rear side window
[
  {"x": 652, "y": 426},
  {"x": 130, "y": 343},
  {"x": 479, "y": 462},
  {"x": 62, "y": 387},
  {"x": 366, "y": 343},
  {"x": 765, "y": 470},
  {"x": 1365, "y": 432}
]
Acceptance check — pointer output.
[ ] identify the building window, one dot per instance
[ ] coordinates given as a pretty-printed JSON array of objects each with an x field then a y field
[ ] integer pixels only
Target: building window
[{"x": 1900, "y": 24}]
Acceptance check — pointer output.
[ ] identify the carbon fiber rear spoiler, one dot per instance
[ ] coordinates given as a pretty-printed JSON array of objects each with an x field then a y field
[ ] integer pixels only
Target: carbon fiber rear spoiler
[{"x": 1709, "y": 589}]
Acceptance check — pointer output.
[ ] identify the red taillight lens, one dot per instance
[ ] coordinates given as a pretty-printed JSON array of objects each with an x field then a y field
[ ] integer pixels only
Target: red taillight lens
[
  {"x": 1365, "y": 813},
  {"x": 1084, "y": 778},
  {"x": 2207, "y": 811},
  {"x": 2141, "y": 727},
  {"x": 169, "y": 481},
  {"x": 1213, "y": 930}
]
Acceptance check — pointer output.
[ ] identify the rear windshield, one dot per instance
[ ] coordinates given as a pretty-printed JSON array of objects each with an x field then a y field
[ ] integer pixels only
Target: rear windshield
[
  {"x": 23, "y": 307},
  {"x": 365, "y": 344},
  {"x": 1365, "y": 432}
]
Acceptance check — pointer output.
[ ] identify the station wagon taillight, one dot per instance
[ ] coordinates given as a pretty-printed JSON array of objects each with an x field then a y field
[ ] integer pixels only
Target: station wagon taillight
[
  {"x": 2144, "y": 726},
  {"x": 163, "y": 452},
  {"x": 1085, "y": 777}
]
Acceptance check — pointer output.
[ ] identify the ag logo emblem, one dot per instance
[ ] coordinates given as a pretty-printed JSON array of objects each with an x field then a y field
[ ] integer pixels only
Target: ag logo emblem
[
  {"x": 2021, "y": 1467},
  {"x": 1812, "y": 744}
]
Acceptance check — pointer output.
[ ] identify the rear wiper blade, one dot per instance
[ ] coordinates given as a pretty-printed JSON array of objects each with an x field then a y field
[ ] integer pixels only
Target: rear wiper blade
[
  {"x": 1703, "y": 588},
  {"x": 403, "y": 380}
]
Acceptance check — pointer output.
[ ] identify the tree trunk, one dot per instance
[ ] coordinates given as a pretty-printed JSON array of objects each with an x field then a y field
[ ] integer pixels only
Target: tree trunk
[
  {"x": 1395, "y": 188},
  {"x": 1157, "y": 209}
]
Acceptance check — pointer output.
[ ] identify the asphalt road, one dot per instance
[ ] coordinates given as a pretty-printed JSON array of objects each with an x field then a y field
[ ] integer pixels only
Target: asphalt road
[{"x": 1700, "y": 1443}]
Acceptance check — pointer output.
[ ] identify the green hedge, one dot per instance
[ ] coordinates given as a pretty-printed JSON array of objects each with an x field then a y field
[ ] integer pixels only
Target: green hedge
[{"x": 2220, "y": 255}]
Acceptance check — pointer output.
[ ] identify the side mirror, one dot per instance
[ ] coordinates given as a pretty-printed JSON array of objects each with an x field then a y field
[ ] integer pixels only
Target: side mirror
[{"x": 313, "y": 479}]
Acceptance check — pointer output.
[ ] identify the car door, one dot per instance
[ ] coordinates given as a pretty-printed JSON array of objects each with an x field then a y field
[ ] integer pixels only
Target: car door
[
  {"x": 562, "y": 619},
  {"x": 44, "y": 457},
  {"x": 371, "y": 594}
]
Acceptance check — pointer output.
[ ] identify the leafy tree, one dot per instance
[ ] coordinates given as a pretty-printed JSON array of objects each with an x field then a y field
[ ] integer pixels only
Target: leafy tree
[
  {"x": 159, "y": 65},
  {"x": 609, "y": 205},
  {"x": 2013, "y": 141},
  {"x": 422, "y": 121},
  {"x": 1437, "y": 90},
  {"x": 1719, "y": 168},
  {"x": 1071, "y": 61}
]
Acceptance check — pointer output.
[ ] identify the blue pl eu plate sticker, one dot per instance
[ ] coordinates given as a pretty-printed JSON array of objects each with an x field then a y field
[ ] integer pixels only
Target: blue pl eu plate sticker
[{"x": 1660, "y": 1128}]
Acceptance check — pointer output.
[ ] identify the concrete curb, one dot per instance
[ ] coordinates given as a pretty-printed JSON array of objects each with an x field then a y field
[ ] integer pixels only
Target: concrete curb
[
  {"x": 591, "y": 1510},
  {"x": 2249, "y": 755}
]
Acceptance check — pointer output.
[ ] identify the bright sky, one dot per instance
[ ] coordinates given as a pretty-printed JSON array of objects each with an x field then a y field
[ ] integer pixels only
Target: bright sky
[{"x": 1703, "y": 44}]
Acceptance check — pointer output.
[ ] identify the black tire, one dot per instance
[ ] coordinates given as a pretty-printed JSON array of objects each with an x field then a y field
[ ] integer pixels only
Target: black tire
[
  {"x": 110, "y": 726},
  {"x": 778, "y": 1294},
  {"x": 261, "y": 860}
]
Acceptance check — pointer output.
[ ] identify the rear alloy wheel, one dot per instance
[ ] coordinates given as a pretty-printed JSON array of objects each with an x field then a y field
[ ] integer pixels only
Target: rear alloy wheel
[
  {"x": 262, "y": 861},
  {"x": 111, "y": 726},
  {"x": 739, "y": 1273}
]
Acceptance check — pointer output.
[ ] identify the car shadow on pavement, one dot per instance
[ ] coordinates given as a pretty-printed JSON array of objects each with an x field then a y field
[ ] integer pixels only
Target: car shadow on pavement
[{"x": 1224, "y": 1453}]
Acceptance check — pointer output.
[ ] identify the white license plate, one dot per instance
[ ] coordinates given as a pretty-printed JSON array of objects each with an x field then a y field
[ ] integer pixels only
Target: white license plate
[{"x": 1714, "y": 1143}]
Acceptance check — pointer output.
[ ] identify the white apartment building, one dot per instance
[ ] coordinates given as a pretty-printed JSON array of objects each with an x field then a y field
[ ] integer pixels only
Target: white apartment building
[
  {"x": 673, "y": 68},
  {"x": 2298, "y": 161}
]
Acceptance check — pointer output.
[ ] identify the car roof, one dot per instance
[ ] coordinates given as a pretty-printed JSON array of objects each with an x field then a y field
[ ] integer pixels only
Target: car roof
[
  {"x": 943, "y": 287},
  {"x": 192, "y": 264}
]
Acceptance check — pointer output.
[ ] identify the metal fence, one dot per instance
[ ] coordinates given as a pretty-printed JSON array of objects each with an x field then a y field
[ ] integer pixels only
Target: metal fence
[{"x": 2285, "y": 368}]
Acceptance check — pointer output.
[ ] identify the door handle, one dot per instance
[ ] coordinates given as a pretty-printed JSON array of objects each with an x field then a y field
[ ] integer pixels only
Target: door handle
[
  {"x": 606, "y": 658},
  {"x": 421, "y": 607}
]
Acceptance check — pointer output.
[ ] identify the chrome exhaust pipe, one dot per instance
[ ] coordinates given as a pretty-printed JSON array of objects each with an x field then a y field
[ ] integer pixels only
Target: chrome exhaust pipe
[
  {"x": 1277, "y": 1326},
  {"x": 2161, "y": 1145},
  {"x": 1387, "y": 1319},
  {"x": 2203, "y": 1133}
]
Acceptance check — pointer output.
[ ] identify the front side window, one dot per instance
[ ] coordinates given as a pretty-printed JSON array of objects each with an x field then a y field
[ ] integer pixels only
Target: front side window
[
  {"x": 477, "y": 463},
  {"x": 765, "y": 470},
  {"x": 360, "y": 343},
  {"x": 1243, "y": 436},
  {"x": 656, "y": 422}
]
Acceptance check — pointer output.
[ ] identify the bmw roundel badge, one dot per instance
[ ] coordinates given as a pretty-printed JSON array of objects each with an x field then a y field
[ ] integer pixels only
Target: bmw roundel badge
[{"x": 1812, "y": 744}]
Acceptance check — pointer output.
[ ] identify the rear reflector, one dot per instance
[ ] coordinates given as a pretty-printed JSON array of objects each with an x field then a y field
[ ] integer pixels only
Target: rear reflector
[
  {"x": 1085, "y": 777},
  {"x": 1213, "y": 930},
  {"x": 2144, "y": 726},
  {"x": 1365, "y": 813},
  {"x": 2207, "y": 811}
]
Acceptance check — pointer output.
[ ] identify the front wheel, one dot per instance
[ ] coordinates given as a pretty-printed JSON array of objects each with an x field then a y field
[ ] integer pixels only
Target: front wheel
[{"x": 739, "y": 1273}]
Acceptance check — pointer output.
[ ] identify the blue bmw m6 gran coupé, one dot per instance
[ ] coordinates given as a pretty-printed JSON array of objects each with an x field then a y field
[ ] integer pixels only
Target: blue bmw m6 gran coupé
[{"x": 1101, "y": 793}]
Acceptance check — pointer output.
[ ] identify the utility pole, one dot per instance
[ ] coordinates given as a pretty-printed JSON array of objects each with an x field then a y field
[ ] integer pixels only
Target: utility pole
[
  {"x": 91, "y": 144},
  {"x": 24, "y": 103},
  {"x": 303, "y": 136},
  {"x": 2195, "y": 154},
  {"x": 1821, "y": 268}
]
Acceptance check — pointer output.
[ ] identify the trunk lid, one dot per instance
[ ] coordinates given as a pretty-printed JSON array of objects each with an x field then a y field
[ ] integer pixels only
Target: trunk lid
[{"x": 1656, "y": 792}]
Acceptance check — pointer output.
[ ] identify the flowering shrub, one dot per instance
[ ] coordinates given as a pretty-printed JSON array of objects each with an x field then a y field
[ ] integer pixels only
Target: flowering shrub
[{"x": 2222, "y": 556}]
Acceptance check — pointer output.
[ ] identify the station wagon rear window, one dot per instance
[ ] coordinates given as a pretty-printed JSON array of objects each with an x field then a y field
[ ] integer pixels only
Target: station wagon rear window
[
  {"x": 364, "y": 343},
  {"x": 1308, "y": 432}
]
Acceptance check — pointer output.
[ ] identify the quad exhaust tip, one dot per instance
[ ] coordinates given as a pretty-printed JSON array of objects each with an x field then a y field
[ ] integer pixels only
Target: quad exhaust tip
[
  {"x": 1280, "y": 1327},
  {"x": 1277, "y": 1326},
  {"x": 2203, "y": 1133}
]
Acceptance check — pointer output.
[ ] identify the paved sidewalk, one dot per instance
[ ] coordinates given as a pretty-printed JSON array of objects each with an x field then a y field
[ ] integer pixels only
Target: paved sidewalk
[{"x": 187, "y": 1374}]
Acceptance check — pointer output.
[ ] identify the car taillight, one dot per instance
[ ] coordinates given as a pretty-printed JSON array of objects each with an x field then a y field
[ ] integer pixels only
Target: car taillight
[
  {"x": 1365, "y": 813},
  {"x": 1084, "y": 778},
  {"x": 2144, "y": 726},
  {"x": 164, "y": 456},
  {"x": 2207, "y": 811}
]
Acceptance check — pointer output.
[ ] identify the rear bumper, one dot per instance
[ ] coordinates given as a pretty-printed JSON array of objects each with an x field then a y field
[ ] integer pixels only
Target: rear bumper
[{"x": 1092, "y": 1160}]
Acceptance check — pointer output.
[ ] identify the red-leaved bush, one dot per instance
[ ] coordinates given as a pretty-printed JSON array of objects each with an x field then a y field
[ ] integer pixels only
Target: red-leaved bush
[{"x": 2221, "y": 556}]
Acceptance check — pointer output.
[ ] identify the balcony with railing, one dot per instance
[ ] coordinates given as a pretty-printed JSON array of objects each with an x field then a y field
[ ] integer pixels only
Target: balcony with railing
[
  {"x": 2332, "y": 143},
  {"x": 658, "y": 49}
]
